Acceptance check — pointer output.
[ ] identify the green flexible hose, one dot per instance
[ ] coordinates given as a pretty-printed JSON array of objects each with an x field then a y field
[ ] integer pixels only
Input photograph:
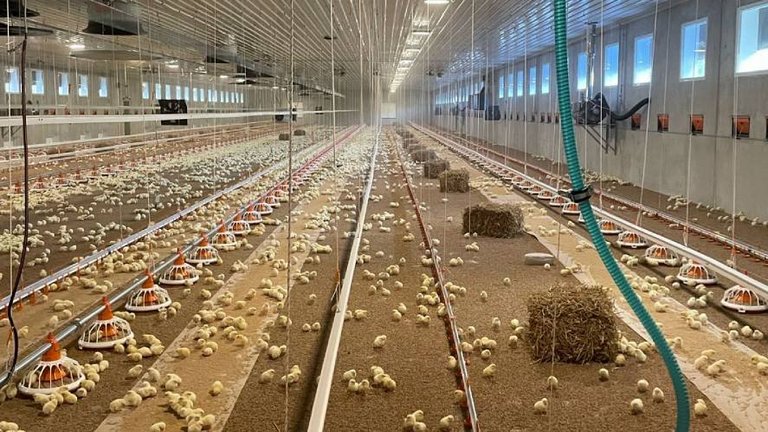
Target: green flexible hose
[{"x": 577, "y": 182}]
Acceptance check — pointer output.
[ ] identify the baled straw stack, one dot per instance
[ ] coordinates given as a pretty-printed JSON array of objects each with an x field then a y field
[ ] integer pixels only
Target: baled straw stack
[
  {"x": 455, "y": 180},
  {"x": 572, "y": 324},
  {"x": 433, "y": 168},
  {"x": 494, "y": 220}
]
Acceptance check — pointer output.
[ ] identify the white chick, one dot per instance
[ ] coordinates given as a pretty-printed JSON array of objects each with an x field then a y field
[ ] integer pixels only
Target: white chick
[
  {"x": 380, "y": 341},
  {"x": 157, "y": 427},
  {"x": 552, "y": 382},
  {"x": 216, "y": 388},
  {"x": 489, "y": 370},
  {"x": 267, "y": 376},
  {"x": 446, "y": 422},
  {"x": 700, "y": 408},
  {"x": 603, "y": 374},
  {"x": 642, "y": 386},
  {"x": 540, "y": 407},
  {"x": 657, "y": 395},
  {"x": 637, "y": 406}
]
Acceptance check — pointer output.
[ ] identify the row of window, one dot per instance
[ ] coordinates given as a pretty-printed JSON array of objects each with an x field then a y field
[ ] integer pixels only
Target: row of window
[
  {"x": 751, "y": 57},
  {"x": 37, "y": 87},
  {"x": 13, "y": 83},
  {"x": 198, "y": 94}
]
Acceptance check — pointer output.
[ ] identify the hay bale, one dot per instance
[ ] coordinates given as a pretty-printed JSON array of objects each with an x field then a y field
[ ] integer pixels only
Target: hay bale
[
  {"x": 416, "y": 147},
  {"x": 494, "y": 220},
  {"x": 299, "y": 132},
  {"x": 424, "y": 155},
  {"x": 581, "y": 321},
  {"x": 433, "y": 168},
  {"x": 455, "y": 180},
  {"x": 284, "y": 137}
]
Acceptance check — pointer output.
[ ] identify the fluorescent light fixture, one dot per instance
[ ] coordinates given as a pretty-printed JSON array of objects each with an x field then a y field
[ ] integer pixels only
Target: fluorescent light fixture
[
  {"x": 274, "y": 87},
  {"x": 421, "y": 32},
  {"x": 436, "y": 2},
  {"x": 405, "y": 62},
  {"x": 223, "y": 76},
  {"x": 76, "y": 46},
  {"x": 173, "y": 65}
]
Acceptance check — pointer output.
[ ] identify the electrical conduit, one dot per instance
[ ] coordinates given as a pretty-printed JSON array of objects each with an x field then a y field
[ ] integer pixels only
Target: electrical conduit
[{"x": 577, "y": 182}]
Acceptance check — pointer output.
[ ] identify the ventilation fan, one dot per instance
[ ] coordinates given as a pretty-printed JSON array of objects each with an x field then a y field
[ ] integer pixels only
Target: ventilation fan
[
  {"x": 16, "y": 9},
  {"x": 19, "y": 31},
  {"x": 115, "y": 19}
]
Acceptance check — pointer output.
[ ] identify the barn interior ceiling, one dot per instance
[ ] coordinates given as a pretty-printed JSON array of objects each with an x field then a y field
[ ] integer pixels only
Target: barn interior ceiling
[{"x": 401, "y": 41}]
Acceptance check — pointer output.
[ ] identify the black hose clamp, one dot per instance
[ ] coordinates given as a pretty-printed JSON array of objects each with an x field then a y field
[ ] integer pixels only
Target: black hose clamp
[{"x": 582, "y": 195}]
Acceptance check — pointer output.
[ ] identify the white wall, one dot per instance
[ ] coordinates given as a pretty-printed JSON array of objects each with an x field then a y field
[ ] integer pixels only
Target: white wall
[{"x": 712, "y": 154}]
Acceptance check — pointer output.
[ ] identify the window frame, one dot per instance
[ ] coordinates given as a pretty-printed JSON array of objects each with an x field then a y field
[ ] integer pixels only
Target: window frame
[
  {"x": 579, "y": 56},
  {"x": 520, "y": 83},
  {"x": 145, "y": 90},
  {"x": 42, "y": 82},
  {"x": 634, "y": 60},
  {"x": 501, "y": 87},
  {"x": 12, "y": 76},
  {"x": 59, "y": 87},
  {"x": 83, "y": 86},
  {"x": 549, "y": 80},
  {"x": 511, "y": 84},
  {"x": 704, "y": 21},
  {"x": 739, "y": 11},
  {"x": 103, "y": 80},
  {"x": 618, "y": 64},
  {"x": 533, "y": 81}
]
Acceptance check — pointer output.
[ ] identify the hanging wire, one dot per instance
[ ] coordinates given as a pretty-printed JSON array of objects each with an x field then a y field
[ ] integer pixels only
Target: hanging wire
[
  {"x": 333, "y": 146},
  {"x": 289, "y": 264},
  {"x": 734, "y": 164},
  {"x": 638, "y": 219},
  {"x": 690, "y": 149},
  {"x": 25, "y": 232}
]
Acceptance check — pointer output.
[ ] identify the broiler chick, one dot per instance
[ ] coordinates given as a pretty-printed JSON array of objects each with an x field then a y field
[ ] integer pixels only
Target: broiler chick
[
  {"x": 700, "y": 408},
  {"x": 489, "y": 370},
  {"x": 380, "y": 341},
  {"x": 540, "y": 407},
  {"x": 552, "y": 383},
  {"x": 657, "y": 395},
  {"x": 135, "y": 371},
  {"x": 642, "y": 386},
  {"x": 267, "y": 376},
  {"x": 446, "y": 423},
  {"x": 636, "y": 406},
  {"x": 216, "y": 388}
]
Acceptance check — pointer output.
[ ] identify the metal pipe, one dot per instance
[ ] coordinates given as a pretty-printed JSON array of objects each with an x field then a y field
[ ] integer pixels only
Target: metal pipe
[
  {"x": 60, "y": 120},
  {"x": 322, "y": 395}
]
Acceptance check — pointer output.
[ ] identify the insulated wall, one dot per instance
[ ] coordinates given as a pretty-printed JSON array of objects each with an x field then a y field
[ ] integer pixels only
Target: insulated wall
[{"x": 718, "y": 96}]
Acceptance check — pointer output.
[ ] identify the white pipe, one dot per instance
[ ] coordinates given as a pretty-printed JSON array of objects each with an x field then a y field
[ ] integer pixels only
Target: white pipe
[
  {"x": 322, "y": 395},
  {"x": 134, "y": 118}
]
